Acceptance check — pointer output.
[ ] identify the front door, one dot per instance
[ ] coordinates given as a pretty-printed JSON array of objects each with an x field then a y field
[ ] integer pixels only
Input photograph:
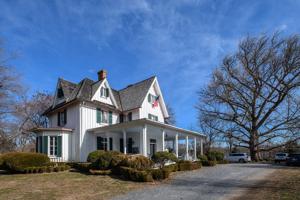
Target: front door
[{"x": 152, "y": 147}]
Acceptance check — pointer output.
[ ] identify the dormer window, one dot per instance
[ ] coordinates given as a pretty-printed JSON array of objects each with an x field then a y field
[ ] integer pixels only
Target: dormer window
[
  {"x": 104, "y": 92},
  {"x": 60, "y": 93}
]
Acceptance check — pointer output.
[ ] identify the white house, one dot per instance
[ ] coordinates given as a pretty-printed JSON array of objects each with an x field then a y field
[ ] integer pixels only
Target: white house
[{"x": 92, "y": 115}]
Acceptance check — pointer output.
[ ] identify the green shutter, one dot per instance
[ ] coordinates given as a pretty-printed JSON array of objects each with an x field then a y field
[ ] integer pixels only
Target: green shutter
[
  {"x": 36, "y": 144},
  {"x": 40, "y": 148},
  {"x": 110, "y": 117},
  {"x": 59, "y": 146},
  {"x": 98, "y": 115},
  {"x": 45, "y": 145},
  {"x": 149, "y": 98}
]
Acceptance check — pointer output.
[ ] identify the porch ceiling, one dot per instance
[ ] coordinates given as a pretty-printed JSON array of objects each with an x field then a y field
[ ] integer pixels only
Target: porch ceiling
[{"x": 139, "y": 123}]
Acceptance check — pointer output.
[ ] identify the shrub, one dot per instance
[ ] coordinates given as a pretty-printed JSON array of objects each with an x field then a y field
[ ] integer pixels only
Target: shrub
[
  {"x": 105, "y": 159},
  {"x": 215, "y": 155},
  {"x": 162, "y": 157},
  {"x": 202, "y": 158},
  {"x": 17, "y": 161},
  {"x": 188, "y": 165},
  {"x": 157, "y": 174},
  {"x": 223, "y": 162},
  {"x": 137, "y": 162},
  {"x": 172, "y": 167},
  {"x": 1, "y": 163},
  {"x": 82, "y": 167},
  {"x": 100, "y": 172},
  {"x": 209, "y": 163},
  {"x": 136, "y": 175}
]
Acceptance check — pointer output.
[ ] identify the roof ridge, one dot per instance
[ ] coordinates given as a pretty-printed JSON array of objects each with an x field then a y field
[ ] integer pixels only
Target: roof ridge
[
  {"x": 137, "y": 83},
  {"x": 62, "y": 79}
]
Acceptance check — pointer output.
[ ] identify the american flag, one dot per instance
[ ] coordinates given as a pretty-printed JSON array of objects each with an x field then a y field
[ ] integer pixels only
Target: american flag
[{"x": 155, "y": 103}]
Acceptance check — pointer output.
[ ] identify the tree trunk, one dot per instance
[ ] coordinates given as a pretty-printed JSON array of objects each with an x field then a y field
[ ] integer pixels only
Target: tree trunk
[{"x": 252, "y": 148}]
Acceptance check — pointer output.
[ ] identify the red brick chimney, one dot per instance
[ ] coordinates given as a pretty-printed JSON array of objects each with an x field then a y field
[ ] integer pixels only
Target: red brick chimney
[{"x": 102, "y": 74}]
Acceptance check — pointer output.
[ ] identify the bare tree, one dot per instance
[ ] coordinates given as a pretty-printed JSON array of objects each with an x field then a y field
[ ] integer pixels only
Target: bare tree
[
  {"x": 172, "y": 118},
  {"x": 256, "y": 91}
]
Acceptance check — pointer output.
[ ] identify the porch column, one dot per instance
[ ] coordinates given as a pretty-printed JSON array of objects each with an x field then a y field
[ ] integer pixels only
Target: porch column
[
  {"x": 163, "y": 139},
  {"x": 144, "y": 140},
  {"x": 186, "y": 147},
  {"x": 195, "y": 148},
  {"x": 201, "y": 146},
  {"x": 176, "y": 144},
  {"x": 124, "y": 141}
]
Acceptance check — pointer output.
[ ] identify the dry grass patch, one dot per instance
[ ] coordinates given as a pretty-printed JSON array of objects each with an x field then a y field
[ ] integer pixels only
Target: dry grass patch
[
  {"x": 283, "y": 184},
  {"x": 62, "y": 185}
]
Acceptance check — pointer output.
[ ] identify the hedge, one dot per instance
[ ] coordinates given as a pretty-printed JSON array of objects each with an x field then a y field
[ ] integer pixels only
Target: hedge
[
  {"x": 137, "y": 162},
  {"x": 162, "y": 157},
  {"x": 172, "y": 167},
  {"x": 103, "y": 160},
  {"x": 223, "y": 162},
  {"x": 17, "y": 161},
  {"x": 215, "y": 155},
  {"x": 136, "y": 175},
  {"x": 188, "y": 165},
  {"x": 209, "y": 163},
  {"x": 100, "y": 172},
  {"x": 82, "y": 167}
]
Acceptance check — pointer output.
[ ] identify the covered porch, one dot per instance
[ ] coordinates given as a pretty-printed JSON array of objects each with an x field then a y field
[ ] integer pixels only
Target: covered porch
[{"x": 146, "y": 137}]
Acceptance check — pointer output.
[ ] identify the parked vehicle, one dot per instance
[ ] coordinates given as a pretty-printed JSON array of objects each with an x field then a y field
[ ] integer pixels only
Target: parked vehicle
[
  {"x": 281, "y": 157},
  {"x": 293, "y": 159},
  {"x": 238, "y": 157}
]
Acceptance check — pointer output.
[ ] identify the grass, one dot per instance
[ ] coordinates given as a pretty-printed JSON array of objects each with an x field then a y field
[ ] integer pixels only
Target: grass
[
  {"x": 62, "y": 185},
  {"x": 283, "y": 184}
]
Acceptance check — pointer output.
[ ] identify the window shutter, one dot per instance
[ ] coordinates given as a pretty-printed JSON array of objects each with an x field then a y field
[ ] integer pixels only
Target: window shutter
[
  {"x": 149, "y": 98},
  {"x": 100, "y": 143},
  {"x": 59, "y": 146},
  {"x": 45, "y": 145},
  {"x": 37, "y": 144},
  {"x": 98, "y": 115},
  {"x": 65, "y": 116},
  {"x": 58, "y": 119},
  {"x": 110, "y": 117},
  {"x": 110, "y": 144},
  {"x": 40, "y": 149},
  {"x": 107, "y": 92}
]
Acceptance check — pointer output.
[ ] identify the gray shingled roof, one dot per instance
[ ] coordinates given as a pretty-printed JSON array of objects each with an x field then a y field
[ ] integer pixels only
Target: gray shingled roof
[{"x": 128, "y": 98}]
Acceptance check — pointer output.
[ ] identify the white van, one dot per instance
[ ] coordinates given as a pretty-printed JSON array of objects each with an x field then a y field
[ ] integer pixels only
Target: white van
[{"x": 238, "y": 157}]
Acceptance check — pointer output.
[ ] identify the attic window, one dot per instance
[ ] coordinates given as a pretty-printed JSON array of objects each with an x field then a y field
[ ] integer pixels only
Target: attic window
[
  {"x": 104, "y": 92},
  {"x": 60, "y": 93}
]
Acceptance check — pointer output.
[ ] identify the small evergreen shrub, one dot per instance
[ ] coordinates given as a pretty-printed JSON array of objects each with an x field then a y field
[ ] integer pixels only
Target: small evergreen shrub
[
  {"x": 103, "y": 160},
  {"x": 136, "y": 175},
  {"x": 82, "y": 167},
  {"x": 162, "y": 157},
  {"x": 202, "y": 157},
  {"x": 157, "y": 174},
  {"x": 215, "y": 155},
  {"x": 17, "y": 161},
  {"x": 172, "y": 167},
  {"x": 209, "y": 163},
  {"x": 223, "y": 162},
  {"x": 100, "y": 172},
  {"x": 137, "y": 162},
  {"x": 188, "y": 165}
]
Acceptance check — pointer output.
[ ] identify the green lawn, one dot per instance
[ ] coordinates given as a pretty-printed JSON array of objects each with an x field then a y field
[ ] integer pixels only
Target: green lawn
[{"x": 62, "y": 185}]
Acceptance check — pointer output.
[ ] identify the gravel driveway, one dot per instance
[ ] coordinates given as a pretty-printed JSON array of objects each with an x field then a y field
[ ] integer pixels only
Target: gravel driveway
[{"x": 220, "y": 182}]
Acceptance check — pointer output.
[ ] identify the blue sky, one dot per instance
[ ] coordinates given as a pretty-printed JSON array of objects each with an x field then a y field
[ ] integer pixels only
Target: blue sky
[{"x": 180, "y": 42}]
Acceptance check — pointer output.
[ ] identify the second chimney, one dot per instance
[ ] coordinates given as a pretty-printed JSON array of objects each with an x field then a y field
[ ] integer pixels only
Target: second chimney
[{"x": 102, "y": 74}]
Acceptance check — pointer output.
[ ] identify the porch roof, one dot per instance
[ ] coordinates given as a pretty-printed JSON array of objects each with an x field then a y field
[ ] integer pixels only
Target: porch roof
[
  {"x": 37, "y": 130},
  {"x": 144, "y": 121}
]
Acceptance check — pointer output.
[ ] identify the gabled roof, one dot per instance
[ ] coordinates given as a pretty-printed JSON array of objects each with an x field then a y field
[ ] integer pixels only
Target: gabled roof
[{"x": 128, "y": 98}]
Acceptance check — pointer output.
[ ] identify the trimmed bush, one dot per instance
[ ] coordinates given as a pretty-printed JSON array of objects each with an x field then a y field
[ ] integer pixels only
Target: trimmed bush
[
  {"x": 100, "y": 172},
  {"x": 1, "y": 162},
  {"x": 17, "y": 162},
  {"x": 105, "y": 159},
  {"x": 209, "y": 163},
  {"x": 137, "y": 162},
  {"x": 188, "y": 165},
  {"x": 157, "y": 174},
  {"x": 162, "y": 157},
  {"x": 172, "y": 167},
  {"x": 202, "y": 157},
  {"x": 82, "y": 167},
  {"x": 215, "y": 155},
  {"x": 223, "y": 162},
  {"x": 136, "y": 175}
]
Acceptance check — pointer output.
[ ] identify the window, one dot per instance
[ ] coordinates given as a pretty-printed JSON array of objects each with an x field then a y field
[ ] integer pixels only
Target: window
[
  {"x": 151, "y": 98},
  {"x": 110, "y": 144},
  {"x": 130, "y": 116},
  {"x": 62, "y": 118},
  {"x": 101, "y": 143},
  {"x": 104, "y": 92},
  {"x": 60, "y": 93},
  {"x": 152, "y": 117},
  {"x": 110, "y": 117},
  {"x": 53, "y": 146},
  {"x": 103, "y": 117}
]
